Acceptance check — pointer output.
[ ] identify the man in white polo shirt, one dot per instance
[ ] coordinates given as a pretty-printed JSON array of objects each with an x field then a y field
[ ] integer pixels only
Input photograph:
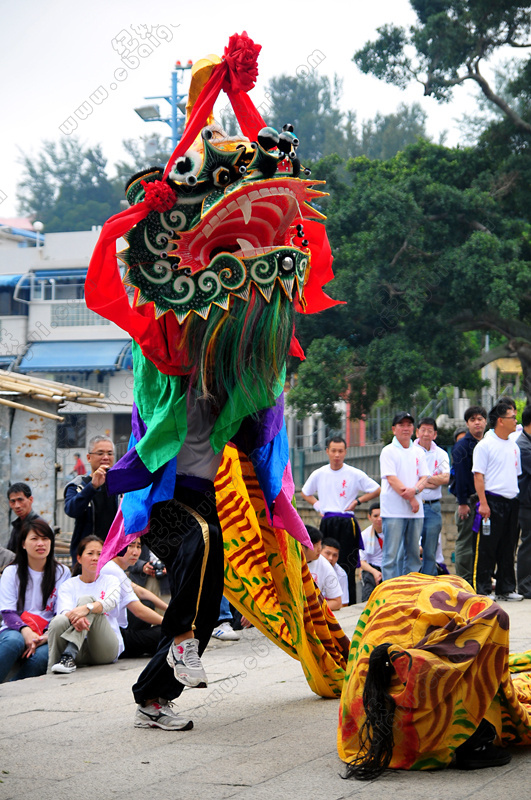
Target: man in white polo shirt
[
  {"x": 439, "y": 469},
  {"x": 404, "y": 474},
  {"x": 496, "y": 467}
]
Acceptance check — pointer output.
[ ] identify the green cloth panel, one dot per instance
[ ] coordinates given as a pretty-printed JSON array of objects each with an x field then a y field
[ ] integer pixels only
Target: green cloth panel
[{"x": 161, "y": 402}]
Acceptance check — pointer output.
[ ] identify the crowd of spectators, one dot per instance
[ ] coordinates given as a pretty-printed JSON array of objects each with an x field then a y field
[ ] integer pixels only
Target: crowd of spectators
[{"x": 55, "y": 619}]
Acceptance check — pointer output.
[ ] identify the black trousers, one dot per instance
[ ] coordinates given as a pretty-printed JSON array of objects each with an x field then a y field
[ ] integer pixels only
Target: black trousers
[
  {"x": 185, "y": 534},
  {"x": 495, "y": 552},
  {"x": 368, "y": 583},
  {"x": 347, "y": 532},
  {"x": 523, "y": 560}
]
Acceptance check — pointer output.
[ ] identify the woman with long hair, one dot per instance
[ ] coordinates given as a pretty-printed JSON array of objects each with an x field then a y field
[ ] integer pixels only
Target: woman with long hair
[
  {"x": 86, "y": 629},
  {"x": 28, "y": 596}
]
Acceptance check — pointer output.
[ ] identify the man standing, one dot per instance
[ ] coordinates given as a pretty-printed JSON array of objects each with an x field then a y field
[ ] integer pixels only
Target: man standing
[
  {"x": 86, "y": 497},
  {"x": 523, "y": 561},
  {"x": 439, "y": 469},
  {"x": 21, "y": 504},
  {"x": 338, "y": 485},
  {"x": 496, "y": 467},
  {"x": 404, "y": 474},
  {"x": 463, "y": 488}
]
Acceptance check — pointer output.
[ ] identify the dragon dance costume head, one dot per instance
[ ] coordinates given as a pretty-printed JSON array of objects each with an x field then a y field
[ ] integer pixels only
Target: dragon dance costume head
[{"x": 223, "y": 245}]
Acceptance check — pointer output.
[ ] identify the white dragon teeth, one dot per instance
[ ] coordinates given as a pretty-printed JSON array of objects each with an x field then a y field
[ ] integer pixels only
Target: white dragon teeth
[
  {"x": 246, "y": 208},
  {"x": 245, "y": 246}
]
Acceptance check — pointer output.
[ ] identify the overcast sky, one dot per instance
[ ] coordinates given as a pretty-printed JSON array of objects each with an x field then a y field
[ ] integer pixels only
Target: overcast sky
[{"x": 57, "y": 54}]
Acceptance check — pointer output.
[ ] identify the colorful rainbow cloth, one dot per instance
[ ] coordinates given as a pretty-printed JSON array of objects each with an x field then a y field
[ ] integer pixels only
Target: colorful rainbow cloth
[
  {"x": 223, "y": 249},
  {"x": 450, "y": 653}
]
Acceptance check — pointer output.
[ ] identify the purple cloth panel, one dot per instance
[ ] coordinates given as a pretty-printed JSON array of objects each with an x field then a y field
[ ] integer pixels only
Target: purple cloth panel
[
  {"x": 128, "y": 474},
  {"x": 138, "y": 426},
  {"x": 260, "y": 429}
]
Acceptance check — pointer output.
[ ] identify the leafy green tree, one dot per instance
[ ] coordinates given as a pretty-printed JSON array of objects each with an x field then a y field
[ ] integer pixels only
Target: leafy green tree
[
  {"x": 426, "y": 249},
  {"x": 448, "y": 47},
  {"x": 66, "y": 186},
  {"x": 311, "y": 103},
  {"x": 387, "y": 134},
  {"x": 148, "y": 150}
]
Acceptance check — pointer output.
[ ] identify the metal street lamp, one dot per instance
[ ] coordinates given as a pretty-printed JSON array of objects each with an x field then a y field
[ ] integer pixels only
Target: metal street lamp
[{"x": 177, "y": 101}]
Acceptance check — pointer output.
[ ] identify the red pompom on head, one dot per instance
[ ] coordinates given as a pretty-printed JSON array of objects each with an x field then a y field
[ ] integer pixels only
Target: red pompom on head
[
  {"x": 241, "y": 57},
  {"x": 159, "y": 196}
]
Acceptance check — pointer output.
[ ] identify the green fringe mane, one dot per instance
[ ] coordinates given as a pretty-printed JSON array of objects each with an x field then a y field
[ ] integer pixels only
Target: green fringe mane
[{"x": 246, "y": 346}]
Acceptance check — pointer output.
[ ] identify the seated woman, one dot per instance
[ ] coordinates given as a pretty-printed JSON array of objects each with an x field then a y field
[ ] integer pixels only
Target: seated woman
[
  {"x": 139, "y": 623},
  {"x": 428, "y": 681},
  {"x": 86, "y": 629},
  {"x": 28, "y": 595}
]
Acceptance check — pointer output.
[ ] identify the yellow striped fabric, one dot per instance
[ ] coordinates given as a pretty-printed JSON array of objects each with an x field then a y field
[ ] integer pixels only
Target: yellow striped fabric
[
  {"x": 268, "y": 582},
  {"x": 449, "y": 649}
]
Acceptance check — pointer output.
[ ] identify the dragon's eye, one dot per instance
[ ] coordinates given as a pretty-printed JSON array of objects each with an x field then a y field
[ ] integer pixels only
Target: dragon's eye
[
  {"x": 186, "y": 168},
  {"x": 221, "y": 177}
]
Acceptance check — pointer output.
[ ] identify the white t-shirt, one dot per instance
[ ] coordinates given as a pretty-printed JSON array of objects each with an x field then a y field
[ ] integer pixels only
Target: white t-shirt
[
  {"x": 408, "y": 465},
  {"x": 9, "y": 585},
  {"x": 323, "y": 574},
  {"x": 499, "y": 461},
  {"x": 372, "y": 548},
  {"x": 127, "y": 593},
  {"x": 438, "y": 464},
  {"x": 338, "y": 488},
  {"x": 105, "y": 589},
  {"x": 342, "y": 577}
]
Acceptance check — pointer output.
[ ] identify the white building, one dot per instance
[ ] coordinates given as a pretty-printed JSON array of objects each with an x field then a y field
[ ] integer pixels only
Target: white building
[{"x": 47, "y": 330}]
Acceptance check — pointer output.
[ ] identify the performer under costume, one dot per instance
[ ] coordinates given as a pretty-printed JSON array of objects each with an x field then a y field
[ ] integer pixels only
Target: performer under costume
[
  {"x": 223, "y": 249},
  {"x": 429, "y": 672}
]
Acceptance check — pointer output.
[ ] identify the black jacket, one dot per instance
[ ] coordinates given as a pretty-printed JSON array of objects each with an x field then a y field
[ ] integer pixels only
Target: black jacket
[
  {"x": 15, "y": 528},
  {"x": 524, "y": 480},
  {"x": 93, "y": 509},
  {"x": 462, "y": 485}
]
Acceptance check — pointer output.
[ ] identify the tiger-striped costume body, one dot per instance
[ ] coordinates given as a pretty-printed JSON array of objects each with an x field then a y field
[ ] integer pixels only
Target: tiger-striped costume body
[{"x": 450, "y": 654}]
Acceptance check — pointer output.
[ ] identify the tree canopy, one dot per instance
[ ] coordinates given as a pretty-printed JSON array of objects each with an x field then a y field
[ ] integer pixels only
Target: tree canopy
[
  {"x": 66, "y": 186},
  {"x": 448, "y": 47},
  {"x": 433, "y": 246}
]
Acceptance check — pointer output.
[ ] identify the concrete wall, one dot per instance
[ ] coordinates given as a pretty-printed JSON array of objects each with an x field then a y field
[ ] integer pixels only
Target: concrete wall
[
  {"x": 32, "y": 455},
  {"x": 5, "y": 471}
]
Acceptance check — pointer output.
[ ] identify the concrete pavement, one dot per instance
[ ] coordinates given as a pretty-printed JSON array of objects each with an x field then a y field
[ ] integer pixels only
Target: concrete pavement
[{"x": 260, "y": 733}]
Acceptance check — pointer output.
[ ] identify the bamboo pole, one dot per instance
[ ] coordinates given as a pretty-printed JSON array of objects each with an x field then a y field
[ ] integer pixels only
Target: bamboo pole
[
  {"x": 46, "y": 414},
  {"x": 51, "y": 384}
]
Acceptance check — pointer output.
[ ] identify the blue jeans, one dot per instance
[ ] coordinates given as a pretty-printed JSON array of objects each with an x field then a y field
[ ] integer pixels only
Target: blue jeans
[
  {"x": 430, "y": 537},
  {"x": 12, "y": 646},
  {"x": 224, "y": 611},
  {"x": 400, "y": 553}
]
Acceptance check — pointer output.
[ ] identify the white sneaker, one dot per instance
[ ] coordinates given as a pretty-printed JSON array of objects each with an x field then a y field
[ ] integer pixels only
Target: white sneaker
[
  {"x": 225, "y": 632},
  {"x": 65, "y": 665},
  {"x": 510, "y": 597},
  {"x": 161, "y": 715},
  {"x": 184, "y": 659}
]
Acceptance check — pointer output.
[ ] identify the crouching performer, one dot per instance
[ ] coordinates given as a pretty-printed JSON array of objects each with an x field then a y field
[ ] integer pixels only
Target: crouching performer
[{"x": 428, "y": 682}]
